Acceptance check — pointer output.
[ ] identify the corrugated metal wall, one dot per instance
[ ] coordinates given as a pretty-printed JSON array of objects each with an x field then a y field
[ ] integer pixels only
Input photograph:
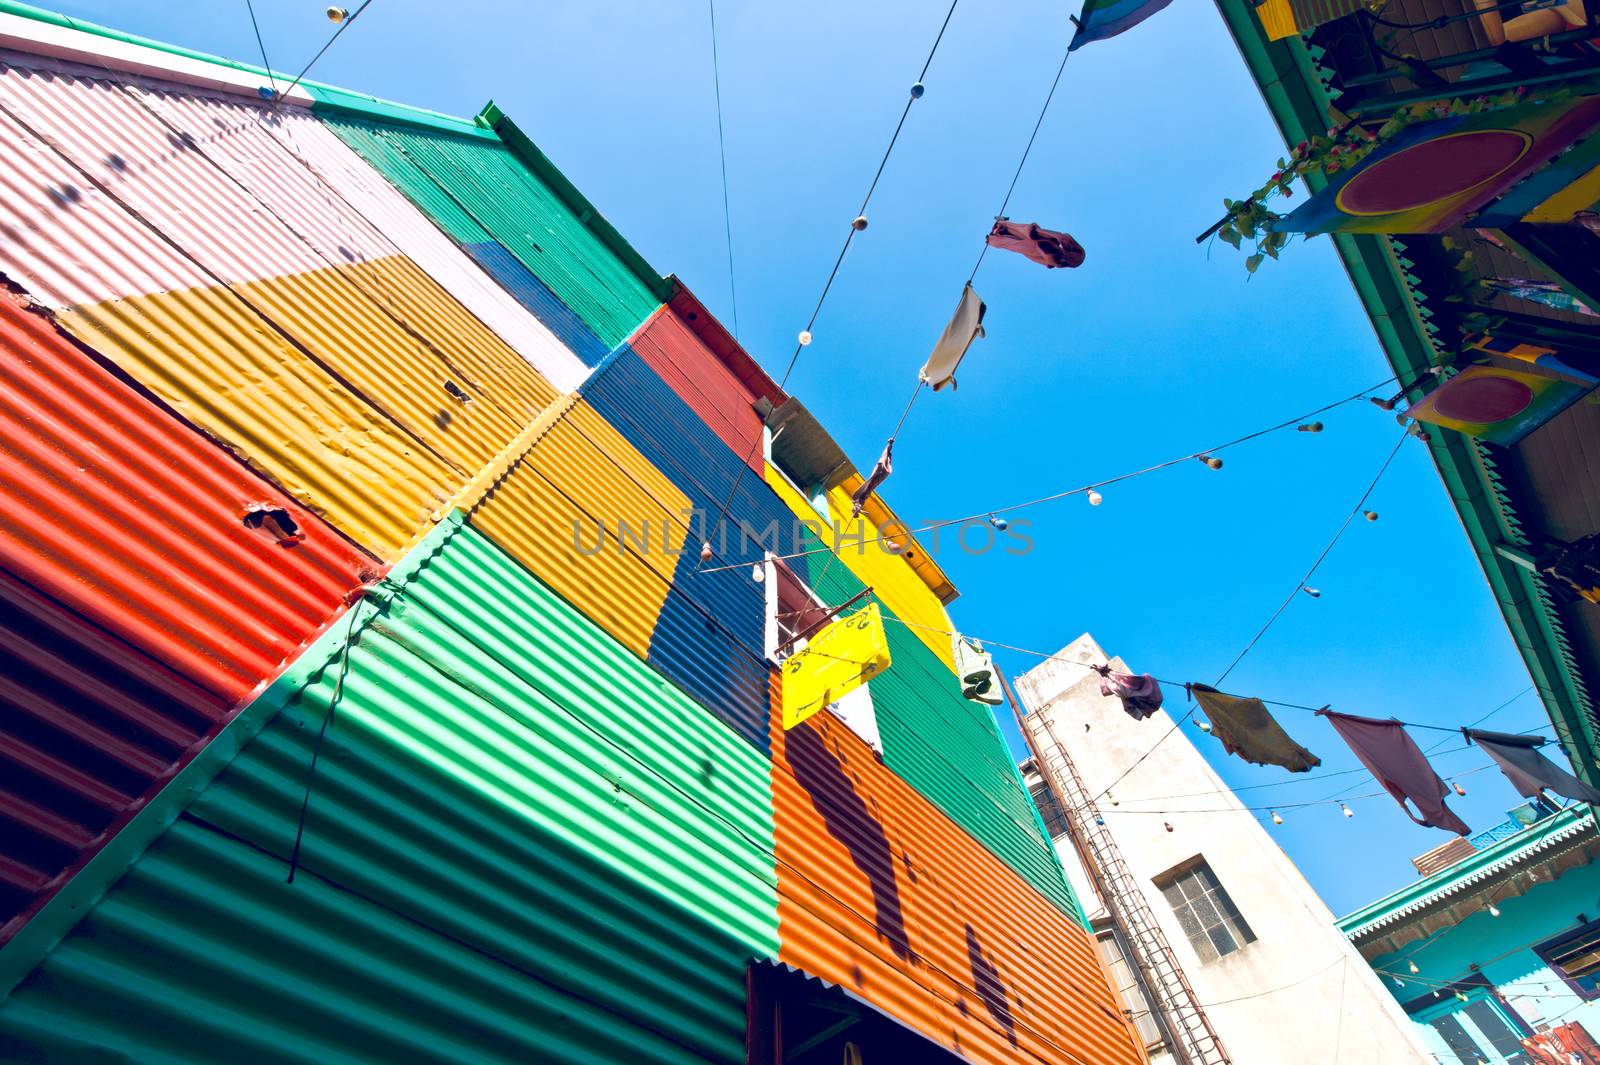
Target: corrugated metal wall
[
  {"x": 881, "y": 894},
  {"x": 522, "y": 845},
  {"x": 947, "y": 747},
  {"x": 142, "y": 609},
  {"x": 669, "y": 347},
  {"x": 475, "y": 185}
]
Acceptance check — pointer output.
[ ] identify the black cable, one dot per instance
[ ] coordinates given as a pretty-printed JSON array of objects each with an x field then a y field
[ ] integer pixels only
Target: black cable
[
  {"x": 248, "y": 6},
  {"x": 306, "y": 69},
  {"x": 322, "y": 734},
  {"x": 722, "y": 149},
  {"x": 827, "y": 286}
]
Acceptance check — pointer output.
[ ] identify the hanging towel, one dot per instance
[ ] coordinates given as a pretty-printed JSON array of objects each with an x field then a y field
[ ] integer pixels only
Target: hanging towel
[
  {"x": 1107, "y": 18},
  {"x": 1391, "y": 755},
  {"x": 1246, "y": 729},
  {"x": 1044, "y": 246},
  {"x": 975, "y": 668},
  {"x": 1529, "y": 771},
  {"x": 966, "y": 325},
  {"x": 1140, "y": 695},
  {"x": 880, "y": 473}
]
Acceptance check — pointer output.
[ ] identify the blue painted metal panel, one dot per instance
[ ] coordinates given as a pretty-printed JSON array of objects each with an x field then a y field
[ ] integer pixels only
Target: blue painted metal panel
[{"x": 526, "y": 288}]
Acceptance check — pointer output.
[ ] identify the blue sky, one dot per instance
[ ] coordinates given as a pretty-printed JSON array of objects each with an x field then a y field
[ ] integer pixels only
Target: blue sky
[{"x": 1154, "y": 348}]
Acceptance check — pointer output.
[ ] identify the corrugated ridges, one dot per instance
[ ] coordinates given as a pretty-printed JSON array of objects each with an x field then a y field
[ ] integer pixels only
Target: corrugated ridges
[
  {"x": 514, "y": 820},
  {"x": 669, "y": 346},
  {"x": 143, "y": 609},
  {"x": 479, "y": 187},
  {"x": 945, "y": 746},
  {"x": 533, "y": 294},
  {"x": 882, "y": 894}
]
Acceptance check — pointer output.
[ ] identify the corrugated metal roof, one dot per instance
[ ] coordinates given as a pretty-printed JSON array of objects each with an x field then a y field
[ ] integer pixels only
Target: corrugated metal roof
[
  {"x": 513, "y": 820},
  {"x": 882, "y": 894},
  {"x": 466, "y": 179},
  {"x": 129, "y": 530}
]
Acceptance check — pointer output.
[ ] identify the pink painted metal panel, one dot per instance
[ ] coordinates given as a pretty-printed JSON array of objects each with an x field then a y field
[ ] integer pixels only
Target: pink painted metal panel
[
  {"x": 326, "y": 193},
  {"x": 165, "y": 177}
]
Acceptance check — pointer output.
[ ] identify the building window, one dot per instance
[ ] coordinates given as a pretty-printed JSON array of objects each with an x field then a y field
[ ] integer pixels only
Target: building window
[
  {"x": 1206, "y": 914},
  {"x": 1054, "y": 817},
  {"x": 1134, "y": 997},
  {"x": 1575, "y": 956},
  {"x": 1480, "y": 1032}
]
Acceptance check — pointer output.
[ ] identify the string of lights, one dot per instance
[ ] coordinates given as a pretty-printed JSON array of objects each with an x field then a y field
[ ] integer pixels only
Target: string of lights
[
  {"x": 1302, "y": 423},
  {"x": 857, "y": 225},
  {"x": 344, "y": 20}
]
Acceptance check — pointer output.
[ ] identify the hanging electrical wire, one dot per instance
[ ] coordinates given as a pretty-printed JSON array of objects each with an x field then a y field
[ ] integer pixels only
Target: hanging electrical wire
[
  {"x": 722, "y": 149},
  {"x": 1090, "y": 489},
  {"x": 265, "y": 62},
  {"x": 344, "y": 20},
  {"x": 857, "y": 225}
]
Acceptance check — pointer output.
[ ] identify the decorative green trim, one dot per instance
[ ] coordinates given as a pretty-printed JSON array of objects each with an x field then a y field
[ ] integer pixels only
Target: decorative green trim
[
  {"x": 1469, "y": 869},
  {"x": 25, "y": 950},
  {"x": 528, "y": 153},
  {"x": 1297, "y": 97}
]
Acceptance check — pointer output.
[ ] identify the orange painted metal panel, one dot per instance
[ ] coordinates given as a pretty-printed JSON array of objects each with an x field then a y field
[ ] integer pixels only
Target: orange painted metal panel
[
  {"x": 882, "y": 894},
  {"x": 142, "y": 609},
  {"x": 547, "y": 513}
]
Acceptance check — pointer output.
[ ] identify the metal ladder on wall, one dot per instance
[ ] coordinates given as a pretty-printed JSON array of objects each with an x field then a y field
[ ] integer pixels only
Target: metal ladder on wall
[{"x": 1185, "y": 1020}]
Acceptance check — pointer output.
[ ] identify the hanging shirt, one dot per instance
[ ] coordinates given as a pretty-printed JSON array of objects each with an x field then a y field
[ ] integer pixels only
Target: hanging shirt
[
  {"x": 975, "y": 669},
  {"x": 1391, "y": 755},
  {"x": 1246, "y": 729},
  {"x": 1527, "y": 769},
  {"x": 1141, "y": 695},
  {"x": 1044, "y": 246},
  {"x": 880, "y": 473},
  {"x": 966, "y": 325}
]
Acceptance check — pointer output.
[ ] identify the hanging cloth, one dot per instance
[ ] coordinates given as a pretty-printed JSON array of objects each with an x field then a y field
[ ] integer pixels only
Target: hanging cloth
[
  {"x": 1107, "y": 18},
  {"x": 1246, "y": 729},
  {"x": 1391, "y": 755},
  {"x": 1529, "y": 771},
  {"x": 966, "y": 325},
  {"x": 880, "y": 473},
  {"x": 975, "y": 668},
  {"x": 1140, "y": 695},
  {"x": 1044, "y": 246}
]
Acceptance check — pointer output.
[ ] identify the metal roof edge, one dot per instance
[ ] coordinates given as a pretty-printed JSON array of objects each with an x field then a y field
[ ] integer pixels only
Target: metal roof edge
[
  {"x": 1285, "y": 72},
  {"x": 535, "y": 160},
  {"x": 79, "y": 895},
  {"x": 1569, "y": 822},
  {"x": 716, "y": 337}
]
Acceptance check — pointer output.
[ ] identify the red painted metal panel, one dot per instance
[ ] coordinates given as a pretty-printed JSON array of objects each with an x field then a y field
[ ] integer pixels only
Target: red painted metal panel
[
  {"x": 702, "y": 380},
  {"x": 149, "y": 591}
]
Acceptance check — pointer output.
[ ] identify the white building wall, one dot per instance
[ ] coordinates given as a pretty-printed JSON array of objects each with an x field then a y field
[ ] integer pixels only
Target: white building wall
[{"x": 1300, "y": 992}]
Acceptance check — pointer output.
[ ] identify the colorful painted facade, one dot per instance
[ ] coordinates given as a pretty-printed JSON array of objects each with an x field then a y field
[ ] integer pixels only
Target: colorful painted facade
[
  {"x": 365, "y": 697},
  {"x": 1494, "y": 955}
]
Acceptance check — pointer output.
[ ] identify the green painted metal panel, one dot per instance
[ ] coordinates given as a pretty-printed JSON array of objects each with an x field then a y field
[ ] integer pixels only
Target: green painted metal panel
[
  {"x": 488, "y": 185},
  {"x": 950, "y": 749},
  {"x": 522, "y": 845}
]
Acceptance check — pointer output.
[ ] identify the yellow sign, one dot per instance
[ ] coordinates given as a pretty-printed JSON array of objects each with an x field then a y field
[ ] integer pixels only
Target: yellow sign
[{"x": 835, "y": 662}]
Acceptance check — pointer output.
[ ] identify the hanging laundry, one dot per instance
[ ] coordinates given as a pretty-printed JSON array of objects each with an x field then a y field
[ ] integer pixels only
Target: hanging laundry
[
  {"x": 880, "y": 473},
  {"x": 1529, "y": 771},
  {"x": 1044, "y": 246},
  {"x": 1140, "y": 695},
  {"x": 975, "y": 668},
  {"x": 1246, "y": 728},
  {"x": 966, "y": 325},
  {"x": 1391, "y": 755},
  {"x": 1547, "y": 293},
  {"x": 1107, "y": 18}
]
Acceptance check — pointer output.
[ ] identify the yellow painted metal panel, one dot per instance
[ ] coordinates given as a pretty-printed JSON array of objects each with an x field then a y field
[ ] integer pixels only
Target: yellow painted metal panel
[
  {"x": 835, "y": 662},
  {"x": 224, "y": 369},
  {"x": 417, "y": 368},
  {"x": 889, "y": 575},
  {"x": 1581, "y": 195},
  {"x": 583, "y": 475}
]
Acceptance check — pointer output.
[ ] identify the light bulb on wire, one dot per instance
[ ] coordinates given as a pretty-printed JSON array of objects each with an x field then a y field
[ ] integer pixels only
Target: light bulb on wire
[
  {"x": 1277, "y": 820},
  {"x": 705, "y": 551},
  {"x": 1347, "y": 811},
  {"x": 1413, "y": 967},
  {"x": 1310, "y": 427},
  {"x": 1371, "y": 515},
  {"x": 1494, "y": 911},
  {"x": 1211, "y": 461},
  {"x": 337, "y": 15},
  {"x": 1459, "y": 789},
  {"x": 1203, "y": 726},
  {"x": 758, "y": 573},
  {"x": 804, "y": 337},
  {"x": 1315, "y": 593},
  {"x": 1094, "y": 498},
  {"x": 999, "y": 522}
]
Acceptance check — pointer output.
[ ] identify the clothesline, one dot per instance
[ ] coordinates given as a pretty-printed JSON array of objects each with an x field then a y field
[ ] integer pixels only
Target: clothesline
[
  {"x": 1283, "y": 805},
  {"x": 987, "y": 511}
]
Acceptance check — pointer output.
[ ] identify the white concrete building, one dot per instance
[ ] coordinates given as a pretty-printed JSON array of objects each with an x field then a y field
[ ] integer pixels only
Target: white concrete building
[{"x": 1240, "y": 958}]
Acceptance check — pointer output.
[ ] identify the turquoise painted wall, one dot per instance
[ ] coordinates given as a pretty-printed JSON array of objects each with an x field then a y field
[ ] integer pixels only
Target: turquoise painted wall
[{"x": 1503, "y": 949}]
